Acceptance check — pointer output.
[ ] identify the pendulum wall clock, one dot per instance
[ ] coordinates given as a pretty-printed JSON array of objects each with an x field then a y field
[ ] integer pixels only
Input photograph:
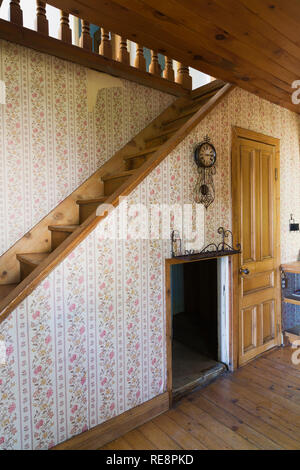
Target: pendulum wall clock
[{"x": 205, "y": 158}]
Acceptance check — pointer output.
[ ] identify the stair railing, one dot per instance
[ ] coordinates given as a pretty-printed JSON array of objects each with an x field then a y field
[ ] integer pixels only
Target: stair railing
[{"x": 116, "y": 49}]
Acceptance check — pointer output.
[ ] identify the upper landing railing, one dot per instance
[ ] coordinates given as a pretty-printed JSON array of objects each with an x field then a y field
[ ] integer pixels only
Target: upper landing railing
[{"x": 107, "y": 51}]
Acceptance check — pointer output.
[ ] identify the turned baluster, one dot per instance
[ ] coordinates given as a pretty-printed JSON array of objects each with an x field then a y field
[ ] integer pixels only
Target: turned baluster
[
  {"x": 123, "y": 55},
  {"x": 183, "y": 77},
  {"x": 85, "y": 41},
  {"x": 155, "y": 67},
  {"x": 15, "y": 12},
  {"x": 140, "y": 61},
  {"x": 41, "y": 19},
  {"x": 105, "y": 48},
  {"x": 65, "y": 33},
  {"x": 169, "y": 70}
]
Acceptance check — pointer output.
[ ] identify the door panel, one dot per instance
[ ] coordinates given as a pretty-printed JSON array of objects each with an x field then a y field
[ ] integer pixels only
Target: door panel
[
  {"x": 249, "y": 329},
  {"x": 255, "y": 214},
  {"x": 256, "y": 282},
  {"x": 268, "y": 324}
]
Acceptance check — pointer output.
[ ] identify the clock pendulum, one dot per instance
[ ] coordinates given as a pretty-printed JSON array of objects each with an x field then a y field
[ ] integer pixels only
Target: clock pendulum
[{"x": 205, "y": 158}]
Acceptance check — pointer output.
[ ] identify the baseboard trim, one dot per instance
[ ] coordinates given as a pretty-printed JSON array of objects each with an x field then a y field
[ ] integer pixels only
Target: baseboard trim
[{"x": 118, "y": 426}]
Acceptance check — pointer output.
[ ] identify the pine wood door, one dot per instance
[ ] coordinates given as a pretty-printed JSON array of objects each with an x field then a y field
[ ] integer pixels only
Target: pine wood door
[{"x": 255, "y": 189}]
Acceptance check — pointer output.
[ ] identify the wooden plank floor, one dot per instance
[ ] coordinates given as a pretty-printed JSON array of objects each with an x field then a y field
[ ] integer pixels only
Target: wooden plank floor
[{"x": 256, "y": 407}]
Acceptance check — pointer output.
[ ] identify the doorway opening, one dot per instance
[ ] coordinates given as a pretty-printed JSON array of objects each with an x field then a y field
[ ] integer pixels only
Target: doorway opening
[{"x": 199, "y": 319}]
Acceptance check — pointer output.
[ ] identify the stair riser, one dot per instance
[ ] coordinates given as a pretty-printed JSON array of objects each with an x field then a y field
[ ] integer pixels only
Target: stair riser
[
  {"x": 135, "y": 163},
  {"x": 110, "y": 186},
  {"x": 180, "y": 120},
  {"x": 86, "y": 210},
  {"x": 25, "y": 270},
  {"x": 57, "y": 238},
  {"x": 191, "y": 109}
]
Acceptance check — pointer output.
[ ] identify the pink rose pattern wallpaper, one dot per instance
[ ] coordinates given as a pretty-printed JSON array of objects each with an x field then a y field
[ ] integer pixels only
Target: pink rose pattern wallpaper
[
  {"x": 89, "y": 342},
  {"x": 50, "y": 143}
]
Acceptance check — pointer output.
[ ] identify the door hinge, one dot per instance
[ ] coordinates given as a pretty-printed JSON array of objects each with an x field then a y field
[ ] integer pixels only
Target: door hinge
[
  {"x": 276, "y": 174},
  {"x": 278, "y": 328}
]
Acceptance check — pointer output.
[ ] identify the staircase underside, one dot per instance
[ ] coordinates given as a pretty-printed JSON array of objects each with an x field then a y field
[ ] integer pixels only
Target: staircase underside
[{"x": 34, "y": 256}]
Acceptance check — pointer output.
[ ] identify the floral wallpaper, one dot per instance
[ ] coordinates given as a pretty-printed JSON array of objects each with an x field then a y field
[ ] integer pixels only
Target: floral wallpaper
[
  {"x": 89, "y": 342},
  {"x": 49, "y": 142}
]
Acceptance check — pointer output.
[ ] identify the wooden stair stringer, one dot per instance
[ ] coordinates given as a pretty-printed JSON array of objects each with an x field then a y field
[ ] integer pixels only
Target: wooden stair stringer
[{"x": 28, "y": 285}]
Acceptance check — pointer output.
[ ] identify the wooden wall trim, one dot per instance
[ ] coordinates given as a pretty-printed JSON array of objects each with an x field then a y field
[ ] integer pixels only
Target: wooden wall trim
[
  {"x": 48, "y": 45},
  {"x": 118, "y": 426}
]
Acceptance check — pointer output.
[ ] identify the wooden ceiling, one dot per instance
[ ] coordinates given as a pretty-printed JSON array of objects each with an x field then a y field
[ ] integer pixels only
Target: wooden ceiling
[{"x": 252, "y": 43}]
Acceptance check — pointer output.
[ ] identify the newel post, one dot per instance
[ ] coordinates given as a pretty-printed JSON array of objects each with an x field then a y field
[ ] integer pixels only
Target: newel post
[
  {"x": 15, "y": 12},
  {"x": 105, "y": 48},
  {"x": 41, "y": 18},
  {"x": 140, "y": 61},
  {"x": 123, "y": 55},
  {"x": 86, "y": 41},
  {"x": 65, "y": 32},
  {"x": 183, "y": 77},
  {"x": 169, "y": 70},
  {"x": 155, "y": 67}
]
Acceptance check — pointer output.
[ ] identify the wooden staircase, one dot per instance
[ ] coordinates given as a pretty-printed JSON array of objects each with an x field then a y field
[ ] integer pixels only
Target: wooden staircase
[{"x": 31, "y": 259}]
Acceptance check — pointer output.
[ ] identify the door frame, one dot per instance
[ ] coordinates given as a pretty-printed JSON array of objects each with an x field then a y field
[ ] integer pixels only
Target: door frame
[
  {"x": 238, "y": 132},
  {"x": 169, "y": 262}
]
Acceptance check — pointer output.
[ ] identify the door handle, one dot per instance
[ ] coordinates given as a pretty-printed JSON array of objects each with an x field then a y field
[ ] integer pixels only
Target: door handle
[{"x": 244, "y": 271}]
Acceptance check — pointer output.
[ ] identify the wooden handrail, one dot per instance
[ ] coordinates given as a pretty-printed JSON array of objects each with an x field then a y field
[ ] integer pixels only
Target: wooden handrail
[{"x": 105, "y": 48}]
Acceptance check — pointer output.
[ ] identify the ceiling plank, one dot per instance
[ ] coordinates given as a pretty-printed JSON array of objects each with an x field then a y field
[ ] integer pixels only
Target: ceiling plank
[
  {"x": 270, "y": 12},
  {"x": 219, "y": 13},
  {"x": 192, "y": 27}
]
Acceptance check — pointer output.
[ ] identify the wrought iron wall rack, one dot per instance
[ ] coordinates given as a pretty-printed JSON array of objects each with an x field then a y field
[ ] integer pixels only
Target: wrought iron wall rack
[{"x": 212, "y": 250}]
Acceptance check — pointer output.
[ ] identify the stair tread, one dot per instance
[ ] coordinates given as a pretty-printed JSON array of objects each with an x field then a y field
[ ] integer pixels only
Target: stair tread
[
  {"x": 63, "y": 228},
  {"x": 142, "y": 152},
  {"x": 118, "y": 175},
  {"x": 195, "y": 105},
  {"x": 5, "y": 289},
  {"x": 82, "y": 202},
  {"x": 34, "y": 259}
]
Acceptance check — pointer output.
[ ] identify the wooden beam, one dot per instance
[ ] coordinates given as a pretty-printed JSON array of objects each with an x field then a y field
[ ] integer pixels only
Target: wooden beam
[{"x": 28, "y": 38}]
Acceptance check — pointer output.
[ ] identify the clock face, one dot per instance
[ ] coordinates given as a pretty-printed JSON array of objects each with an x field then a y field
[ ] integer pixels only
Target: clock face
[{"x": 206, "y": 155}]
